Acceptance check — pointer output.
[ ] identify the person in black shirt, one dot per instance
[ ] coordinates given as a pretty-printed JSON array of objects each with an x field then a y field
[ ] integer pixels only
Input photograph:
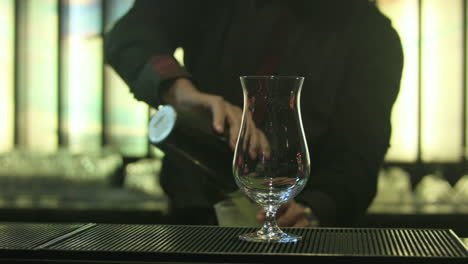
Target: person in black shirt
[{"x": 348, "y": 52}]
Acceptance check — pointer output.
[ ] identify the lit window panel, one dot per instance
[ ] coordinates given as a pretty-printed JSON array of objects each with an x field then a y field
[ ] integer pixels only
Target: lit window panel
[
  {"x": 6, "y": 74},
  {"x": 82, "y": 74},
  {"x": 442, "y": 80},
  {"x": 466, "y": 79},
  {"x": 127, "y": 117},
  {"x": 37, "y": 75},
  {"x": 404, "y": 141}
]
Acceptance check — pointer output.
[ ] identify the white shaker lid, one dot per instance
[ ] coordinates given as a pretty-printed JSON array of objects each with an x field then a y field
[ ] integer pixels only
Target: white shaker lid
[{"x": 161, "y": 124}]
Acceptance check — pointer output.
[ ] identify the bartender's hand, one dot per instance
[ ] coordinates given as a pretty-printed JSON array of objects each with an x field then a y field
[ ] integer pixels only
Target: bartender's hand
[
  {"x": 290, "y": 214},
  {"x": 184, "y": 96}
]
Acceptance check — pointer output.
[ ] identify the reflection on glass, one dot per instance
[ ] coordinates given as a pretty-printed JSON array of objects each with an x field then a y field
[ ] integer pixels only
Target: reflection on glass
[
  {"x": 82, "y": 74},
  {"x": 404, "y": 141},
  {"x": 37, "y": 73},
  {"x": 6, "y": 74},
  {"x": 271, "y": 162}
]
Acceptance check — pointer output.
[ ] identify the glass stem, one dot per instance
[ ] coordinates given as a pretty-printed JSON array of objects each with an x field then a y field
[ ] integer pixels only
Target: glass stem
[{"x": 270, "y": 226}]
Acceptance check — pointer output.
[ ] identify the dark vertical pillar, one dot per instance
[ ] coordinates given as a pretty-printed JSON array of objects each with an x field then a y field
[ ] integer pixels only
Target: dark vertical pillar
[
  {"x": 105, "y": 122},
  {"x": 62, "y": 24}
]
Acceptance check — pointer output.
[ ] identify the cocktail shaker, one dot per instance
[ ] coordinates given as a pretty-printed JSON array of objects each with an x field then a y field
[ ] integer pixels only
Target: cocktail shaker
[{"x": 190, "y": 136}]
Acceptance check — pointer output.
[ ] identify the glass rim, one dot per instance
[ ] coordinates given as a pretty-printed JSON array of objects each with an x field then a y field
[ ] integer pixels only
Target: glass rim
[{"x": 272, "y": 77}]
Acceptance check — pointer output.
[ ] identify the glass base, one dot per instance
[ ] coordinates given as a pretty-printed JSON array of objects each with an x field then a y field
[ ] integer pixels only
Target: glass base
[{"x": 276, "y": 237}]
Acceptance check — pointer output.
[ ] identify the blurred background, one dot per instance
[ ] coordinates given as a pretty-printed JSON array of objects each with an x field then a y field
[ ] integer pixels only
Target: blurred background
[{"x": 73, "y": 140}]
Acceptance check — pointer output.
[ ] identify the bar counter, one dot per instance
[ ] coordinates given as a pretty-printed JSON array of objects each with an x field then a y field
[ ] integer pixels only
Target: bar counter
[{"x": 132, "y": 243}]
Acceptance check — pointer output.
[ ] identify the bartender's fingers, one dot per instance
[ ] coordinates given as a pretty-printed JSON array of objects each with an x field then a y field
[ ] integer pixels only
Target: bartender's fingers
[
  {"x": 294, "y": 214},
  {"x": 249, "y": 125},
  {"x": 217, "y": 106},
  {"x": 246, "y": 140},
  {"x": 253, "y": 142},
  {"x": 250, "y": 140},
  {"x": 234, "y": 116},
  {"x": 224, "y": 111},
  {"x": 263, "y": 145},
  {"x": 256, "y": 142},
  {"x": 260, "y": 216},
  {"x": 261, "y": 212},
  {"x": 303, "y": 222}
]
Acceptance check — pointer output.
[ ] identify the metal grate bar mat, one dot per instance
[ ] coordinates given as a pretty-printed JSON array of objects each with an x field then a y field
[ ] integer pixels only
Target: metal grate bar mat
[
  {"x": 31, "y": 235},
  {"x": 220, "y": 244},
  {"x": 115, "y": 243}
]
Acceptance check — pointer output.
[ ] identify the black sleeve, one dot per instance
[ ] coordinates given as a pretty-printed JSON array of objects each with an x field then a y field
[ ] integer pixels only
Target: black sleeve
[
  {"x": 140, "y": 45},
  {"x": 349, "y": 156}
]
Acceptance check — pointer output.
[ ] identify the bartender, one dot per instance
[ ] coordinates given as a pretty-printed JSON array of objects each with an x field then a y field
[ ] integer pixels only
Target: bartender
[{"x": 348, "y": 52}]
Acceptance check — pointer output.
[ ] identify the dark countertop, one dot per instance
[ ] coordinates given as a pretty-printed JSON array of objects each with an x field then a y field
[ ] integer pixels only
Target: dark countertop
[
  {"x": 456, "y": 222},
  {"x": 116, "y": 243},
  {"x": 44, "y": 200}
]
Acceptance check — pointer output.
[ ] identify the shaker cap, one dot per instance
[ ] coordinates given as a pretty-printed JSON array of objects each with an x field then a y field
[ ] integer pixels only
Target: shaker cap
[{"x": 161, "y": 124}]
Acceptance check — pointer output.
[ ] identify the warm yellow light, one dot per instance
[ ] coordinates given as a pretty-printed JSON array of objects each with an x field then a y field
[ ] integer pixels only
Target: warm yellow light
[
  {"x": 80, "y": 2},
  {"x": 466, "y": 87},
  {"x": 82, "y": 82},
  {"x": 442, "y": 80},
  {"x": 404, "y": 141},
  {"x": 6, "y": 74},
  {"x": 38, "y": 72},
  {"x": 128, "y": 118},
  {"x": 179, "y": 55}
]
